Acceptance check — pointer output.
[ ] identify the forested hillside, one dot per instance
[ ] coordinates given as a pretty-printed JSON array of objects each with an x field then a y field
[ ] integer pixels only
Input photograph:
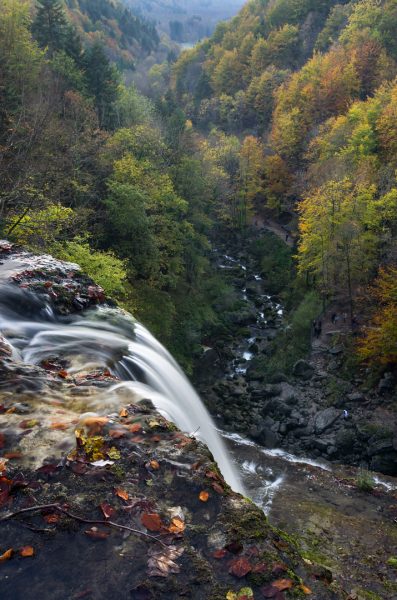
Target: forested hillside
[
  {"x": 310, "y": 86},
  {"x": 186, "y": 20},
  {"x": 93, "y": 172},
  {"x": 287, "y": 113},
  {"x": 125, "y": 36}
]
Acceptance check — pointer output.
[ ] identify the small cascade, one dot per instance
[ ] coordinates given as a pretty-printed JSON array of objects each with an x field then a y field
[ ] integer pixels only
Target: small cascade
[
  {"x": 110, "y": 338},
  {"x": 257, "y": 302}
]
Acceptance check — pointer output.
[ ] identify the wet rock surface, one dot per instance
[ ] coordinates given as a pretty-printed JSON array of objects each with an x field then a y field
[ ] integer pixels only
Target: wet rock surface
[
  {"x": 338, "y": 525},
  {"x": 120, "y": 504}
]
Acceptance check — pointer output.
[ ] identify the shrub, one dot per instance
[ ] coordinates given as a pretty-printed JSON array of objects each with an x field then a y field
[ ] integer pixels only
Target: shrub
[{"x": 364, "y": 480}]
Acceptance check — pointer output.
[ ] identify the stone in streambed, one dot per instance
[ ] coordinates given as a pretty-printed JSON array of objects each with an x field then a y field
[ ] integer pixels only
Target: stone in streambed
[
  {"x": 264, "y": 435},
  {"x": 244, "y": 317},
  {"x": 325, "y": 419},
  {"x": 386, "y": 384},
  {"x": 345, "y": 440},
  {"x": 380, "y": 446},
  {"x": 356, "y": 397},
  {"x": 303, "y": 370},
  {"x": 385, "y": 463},
  {"x": 267, "y": 391}
]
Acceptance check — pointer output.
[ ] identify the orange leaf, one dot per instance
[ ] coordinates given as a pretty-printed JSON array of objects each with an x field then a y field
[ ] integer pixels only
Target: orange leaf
[
  {"x": 121, "y": 493},
  {"x": 204, "y": 496},
  {"x": 240, "y": 567},
  {"x": 135, "y": 427},
  {"x": 283, "y": 584},
  {"x": 95, "y": 424},
  {"x": 116, "y": 433},
  {"x": 52, "y": 518},
  {"x": 217, "y": 488},
  {"x": 260, "y": 568},
  {"x": 11, "y": 455},
  {"x": 154, "y": 465},
  {"x": 60, "y": 426},
  {"x": 7, "y": 555},
  {"x": 281, "y": 545},
  {"x": 151, "y": 521},
  {"x": 97, "y": 534},
  {"x": 108, "y": 511},
  {"x": 123, "y": 412},
  {"x": 26, "y": 551},
  {"x": 63, "y": 374},
  {"x": 177, "y": 525},
  {"x": 305, "y": 589},
  {"x": 213, "y": 475},
  {"x": 28, "y": 423},
  {"x": 221, "y": 553}
]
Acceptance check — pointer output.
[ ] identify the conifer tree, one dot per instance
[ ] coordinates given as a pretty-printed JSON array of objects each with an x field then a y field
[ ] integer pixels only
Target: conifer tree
[
  {"x": 50, "y": 26},
  {"x": 103, "y": 81},
  {"x": 73, "y": 46}
]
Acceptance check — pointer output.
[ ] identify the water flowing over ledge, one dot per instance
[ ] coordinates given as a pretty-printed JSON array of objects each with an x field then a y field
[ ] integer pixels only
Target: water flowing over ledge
[{"x": 109, "y": 338}]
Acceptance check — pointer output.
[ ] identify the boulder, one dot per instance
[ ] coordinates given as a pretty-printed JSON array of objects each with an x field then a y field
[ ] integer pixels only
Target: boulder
[
  {"x": 325, "y": 419},
  {"x": 336, "y": 350},
  {"x": 278, "y": 407},
  {"x": 245, "y": 316},
  {"x": 345, "y": 440},
  {"x": 386, "y": 384},
  {"x": 385, "y": 463},
  {"x": 303, "y": 370},
  {"x": 264, "y": 436},
  {"x": 356, "y": 397},
  {"x": 265, "y": 392},
  {"x": 380, "y": 446}
]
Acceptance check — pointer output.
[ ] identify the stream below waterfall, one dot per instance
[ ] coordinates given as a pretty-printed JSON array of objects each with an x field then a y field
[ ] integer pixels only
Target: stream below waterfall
[{"x": 266, "y": 314}]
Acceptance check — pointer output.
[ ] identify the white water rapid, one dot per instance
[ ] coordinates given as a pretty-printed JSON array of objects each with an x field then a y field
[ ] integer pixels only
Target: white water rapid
[{"x": 110, "y": 338}]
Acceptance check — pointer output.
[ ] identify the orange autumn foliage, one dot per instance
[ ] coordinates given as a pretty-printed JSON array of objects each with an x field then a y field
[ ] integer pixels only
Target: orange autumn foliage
[{"x": 379, "y": 342}]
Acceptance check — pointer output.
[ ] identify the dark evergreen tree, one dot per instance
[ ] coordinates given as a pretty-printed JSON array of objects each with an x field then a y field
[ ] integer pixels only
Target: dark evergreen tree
[
  {"x": 50, "y": 27},
  {"x": 73, "y": 46},
  {"x": 102, "y": 80}
]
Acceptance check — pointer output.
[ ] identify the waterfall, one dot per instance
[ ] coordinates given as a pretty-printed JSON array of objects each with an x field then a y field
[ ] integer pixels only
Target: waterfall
[{"x": 110, "y": 338}]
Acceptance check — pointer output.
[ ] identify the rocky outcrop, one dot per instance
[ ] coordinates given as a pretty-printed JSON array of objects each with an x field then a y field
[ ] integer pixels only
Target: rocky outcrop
[{"x": 303, "y": 370}]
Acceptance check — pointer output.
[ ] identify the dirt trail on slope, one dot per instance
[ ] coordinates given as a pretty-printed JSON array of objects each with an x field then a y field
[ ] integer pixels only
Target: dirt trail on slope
[{"x": 270, "y": 225}]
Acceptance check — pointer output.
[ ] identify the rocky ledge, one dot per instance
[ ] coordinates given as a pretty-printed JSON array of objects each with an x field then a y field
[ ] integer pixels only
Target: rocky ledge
[{"x": 123, "y": 504}]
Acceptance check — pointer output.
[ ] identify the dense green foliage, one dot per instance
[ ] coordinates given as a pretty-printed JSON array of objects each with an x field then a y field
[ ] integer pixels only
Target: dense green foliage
[
  {"x": 292, "y": 343},
  {"x": 125, "y": 36},
  {"x": 95, "y": 174},
  {"x": 276, "y": 262}
]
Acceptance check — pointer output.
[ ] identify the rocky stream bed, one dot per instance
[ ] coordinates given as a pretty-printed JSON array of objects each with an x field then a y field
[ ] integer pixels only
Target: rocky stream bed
[{"x": 315, "y": 412}]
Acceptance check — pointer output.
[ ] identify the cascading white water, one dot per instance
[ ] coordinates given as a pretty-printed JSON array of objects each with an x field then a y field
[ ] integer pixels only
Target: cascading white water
[{"x": 113, "y": 339}]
